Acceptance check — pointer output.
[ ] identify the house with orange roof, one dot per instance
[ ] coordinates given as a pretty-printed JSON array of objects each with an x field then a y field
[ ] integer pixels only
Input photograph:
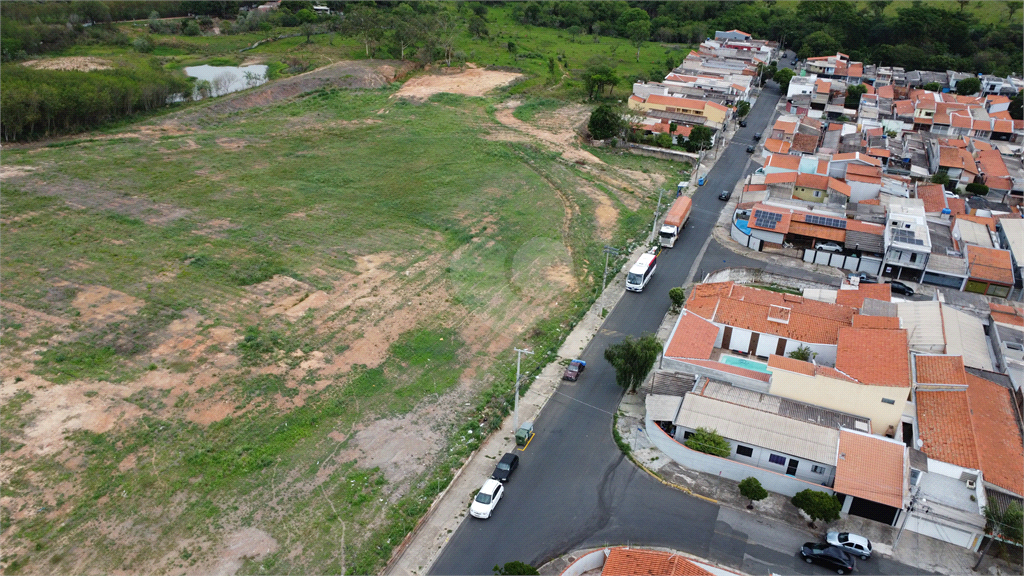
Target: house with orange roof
[
  {"x": 781, "y": 163},
  {"x": 783, "y": 130},
  {"x": 773, "y": 146},
  {"x": 934, "y": 198},
  {"x": 957, "y": 163},
  {"x": 993, "y": 171},
  {"x": 683, "y": 110},
  {"x": 872, "y": 476},
  {"x": 990, "y": 271},
  {"x": 811, "y": 188},
  {"x": 804, "y": 143},
  {"x": 630, "y": 561}
]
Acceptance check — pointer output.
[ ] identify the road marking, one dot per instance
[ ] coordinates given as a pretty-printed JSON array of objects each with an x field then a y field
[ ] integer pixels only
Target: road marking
[{"x": 584, "y": 403}]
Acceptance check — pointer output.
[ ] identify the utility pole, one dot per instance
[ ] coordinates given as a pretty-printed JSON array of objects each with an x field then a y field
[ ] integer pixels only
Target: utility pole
[
  {"x": 607, "y": 250},
  {"x": 519, "y": 359},
  {"x": 910, "y": 510},
  {"x": 654, "y": 228}
]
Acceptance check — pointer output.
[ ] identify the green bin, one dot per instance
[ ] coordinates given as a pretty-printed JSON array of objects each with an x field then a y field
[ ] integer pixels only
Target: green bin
[{"x": 524, "y": 434}]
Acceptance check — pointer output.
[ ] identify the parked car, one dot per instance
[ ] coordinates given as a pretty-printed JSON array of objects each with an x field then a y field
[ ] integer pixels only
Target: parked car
[
  {"x": 853, "y": 543},
  {"x": 725, "y": 195},
  {"x": 506, "y": 466},
  {"x": 743, "y": 123},
  {"x": 573, "y": 370},
  {"x": 829, "y": 556},
  {"x": 828, "y": 247},
  {"x": 865, "y": 278},
  {"x": 757, "y": 136},
  {"x": 750, "y": 149},
  {"x": 486, "y": 499},
  {"x": 901, "y": 288}
]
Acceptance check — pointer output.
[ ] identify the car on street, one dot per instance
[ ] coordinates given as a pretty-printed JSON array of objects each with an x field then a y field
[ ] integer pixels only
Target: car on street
[
  {"x": 901, "y": 288},
  {"x": 573, "y": 370},
  {"x": 865, "y": 278},
  {"x": 725, "y": 195},
  {"x": 757, "y": 136},
  {"x": 743, "y": 123},
  {"x": 486, "y": 499},
  {"x": 750, "y": 149},
  {"x": 505, "y": 467},
  {"x": 853, "y": 543},
  {"x": 828, "y": 247},
  {"x": 829, "y": 556}
]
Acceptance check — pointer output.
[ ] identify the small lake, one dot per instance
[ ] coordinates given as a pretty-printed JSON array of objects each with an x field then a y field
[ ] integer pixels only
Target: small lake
[{"x": 220, "y": 80}]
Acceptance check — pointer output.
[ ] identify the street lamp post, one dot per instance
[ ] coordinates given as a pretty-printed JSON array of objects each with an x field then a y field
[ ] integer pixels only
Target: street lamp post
[
  {"x": 607, "y": 250},
  {"x": 519, "y": 359},
  {"x": 654, "y": 227}
]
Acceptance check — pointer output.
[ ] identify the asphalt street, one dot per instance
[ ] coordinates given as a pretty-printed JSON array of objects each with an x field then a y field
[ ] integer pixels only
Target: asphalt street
[{"x": 575, "y": 489}]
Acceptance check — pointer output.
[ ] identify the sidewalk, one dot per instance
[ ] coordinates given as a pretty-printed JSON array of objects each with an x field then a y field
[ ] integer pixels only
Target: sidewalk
[{"x": 425, "y": 543}]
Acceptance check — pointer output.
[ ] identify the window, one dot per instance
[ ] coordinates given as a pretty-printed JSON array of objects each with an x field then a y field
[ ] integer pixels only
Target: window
[
  {"x": 744, "y": 451},
  {"x": 776, "y": 459},
  {"x": 913, "y": 257},
  {"x": 817, "y": 193},
  {"x": 888, "y": 401},
  {"x": 687, "y": 434},
  {"x": 818, "y": 469}
]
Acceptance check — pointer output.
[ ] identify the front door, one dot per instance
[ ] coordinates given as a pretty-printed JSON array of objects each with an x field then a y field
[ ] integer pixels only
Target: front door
[
  {"x": 780, "y": 350},
  {"x": 726, "y": 337},
  {"x": 791, "y": 469},
  {"x": 753, "y": 344}
]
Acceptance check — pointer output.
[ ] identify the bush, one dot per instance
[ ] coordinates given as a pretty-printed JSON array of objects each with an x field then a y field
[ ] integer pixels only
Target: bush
[
  {"x": 143, "y": 45},
  {"x": 977, "y": 189},
  {"x": 514, "y": 567},
  {"x": 678, "y": 297},
  {"x": 802, "y": 353},
  {"x": 709, "y": 442},
  {"x": 818, "y": 505},
  {"x": 752, "y": 490},
  {"x": 605, "y": 122},
  {"x": 663, "y": 140}
]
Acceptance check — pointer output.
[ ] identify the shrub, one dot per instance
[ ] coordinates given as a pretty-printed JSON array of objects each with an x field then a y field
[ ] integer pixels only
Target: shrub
[
  {"x": 605, "y": 122},
  {"x": 678, "y": 297},
  {"x": 514, "y": 567},
  {"x": 818, "y": 505},
  {"x": 143, "y": 44},
  {"x": 752, "y": 490},
  {"x": 977, "y": 189},
  {"x": 802, "y": 353},
  {"x": 709, "y": 442}
]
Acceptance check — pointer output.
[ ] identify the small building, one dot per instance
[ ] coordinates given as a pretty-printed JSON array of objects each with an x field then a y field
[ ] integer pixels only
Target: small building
[
  {"x": 871, "y": 476},
  {"x": 990, "y": 271}
]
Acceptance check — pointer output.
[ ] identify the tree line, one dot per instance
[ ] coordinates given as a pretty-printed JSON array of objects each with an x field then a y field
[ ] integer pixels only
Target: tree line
[{"x": 39, "y": 103}]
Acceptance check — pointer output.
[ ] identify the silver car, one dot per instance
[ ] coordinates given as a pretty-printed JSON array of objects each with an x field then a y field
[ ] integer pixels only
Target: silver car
[{"x": 854, "y": 544}]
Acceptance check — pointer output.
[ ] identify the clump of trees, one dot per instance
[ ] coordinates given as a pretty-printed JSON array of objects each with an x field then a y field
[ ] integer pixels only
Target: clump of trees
[
  {"x": 36, "y": 103},
  {"x": 605, "y": 122},
  {"x": 818, "y": 505}
]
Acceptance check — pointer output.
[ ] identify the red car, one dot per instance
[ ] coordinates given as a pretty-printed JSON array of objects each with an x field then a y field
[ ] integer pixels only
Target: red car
[{"x": 573, "y": 370}]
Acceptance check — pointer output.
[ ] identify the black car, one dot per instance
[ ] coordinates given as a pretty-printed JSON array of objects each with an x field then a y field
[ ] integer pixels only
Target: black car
[
  {"x": 506, "y": 466},
  {"x": 573, "y": 370},
  {"x": 725, "y": 195},
  {"x": 901, "y": 288},
  {"x": 829, "y": 556},
  {"x": 750, "y": 149},
  {"x": 757, "y": 137},
  {"x": 743, "y": 123}
]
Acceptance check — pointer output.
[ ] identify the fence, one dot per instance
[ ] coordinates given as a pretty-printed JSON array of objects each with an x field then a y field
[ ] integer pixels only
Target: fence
[{"x": 852, "y": 263}]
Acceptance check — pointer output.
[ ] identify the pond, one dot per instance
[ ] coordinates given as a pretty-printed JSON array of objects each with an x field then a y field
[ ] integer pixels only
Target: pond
[{"x": 214, "y": 81}]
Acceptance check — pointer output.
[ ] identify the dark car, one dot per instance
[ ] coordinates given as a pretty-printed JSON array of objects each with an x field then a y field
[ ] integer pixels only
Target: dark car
[
  {"x": 573, "y": 370},
  {"x": 506, "y": 466},
  {"x": 725, "y": 195},
  {"x": 757, "y": 137},
  {"x": 829, "y": 556},
  {"x": 743, "y": 123},
  {"x": 901, "y": 288},
  {"x": 750, "y": 149}
]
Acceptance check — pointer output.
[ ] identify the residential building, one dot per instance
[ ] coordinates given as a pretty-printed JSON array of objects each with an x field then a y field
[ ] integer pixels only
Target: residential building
[
  {"x": 682, "y": 110},
  {"x": 907, "y": 241},
  {"x": 871, "y": 476},
  {"x": 990, "y": 271}
]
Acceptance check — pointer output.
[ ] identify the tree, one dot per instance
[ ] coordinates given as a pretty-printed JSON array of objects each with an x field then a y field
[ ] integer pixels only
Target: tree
[
  {"x": 633, "y": 360},
  {"x": 783, "y": 77},
  {"x": 940, "y": 178},
  {"x": 1013, "y": 6},
  {"x": 802, "y": 352},
  {"x": 406, "y": 28},
  {"x": 700, "y": 138},
  {"x": 743, "y": 108},
  {"x": 1003, "y": 522},
  {"x": 709, "y": 442},
  {"x": 597, "y": 75},
  {"x": 308, "y": 29},
  {"x": 678, "y": 297},
  {"x": 819, "y": 43},
  {"x": 191, "y": 28},
  {"x": 1017, "y": 106},
  {"x": 752, "y": 490},
  {"x": 514, "y": 567},
  {"x": 305, "y": 16},
  {"x": 638, "y": 32},
  {"x": 968, "y": 86},
  {"x": 478, "y": 27},
  {"x": 573, "y": 32},
  {"x": 932, "y": 87},
  {"x": 366, "y": 25},
  {"x": 818, "y": 505},
  {"x": 853, "y": 94},
  {"x": 605, "y": 122}
]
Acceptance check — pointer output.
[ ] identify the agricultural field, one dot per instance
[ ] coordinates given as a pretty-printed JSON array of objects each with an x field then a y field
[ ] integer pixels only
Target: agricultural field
[{"x": 260, "y": 333}]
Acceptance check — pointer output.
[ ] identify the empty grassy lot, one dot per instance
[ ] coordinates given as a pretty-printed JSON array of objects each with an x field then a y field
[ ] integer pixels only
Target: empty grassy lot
[{"x": 263, "y": 341}]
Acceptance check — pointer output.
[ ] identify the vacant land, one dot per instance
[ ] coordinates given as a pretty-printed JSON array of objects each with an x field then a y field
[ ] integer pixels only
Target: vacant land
[{"x": 260, "y": 335}]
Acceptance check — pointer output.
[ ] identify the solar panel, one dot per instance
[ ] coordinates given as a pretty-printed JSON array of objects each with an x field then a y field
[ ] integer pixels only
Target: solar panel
[
  {"x": 906, "y": 237},
  {"x": 764, "y": 219},
  {"x": 826, "y": 221}
]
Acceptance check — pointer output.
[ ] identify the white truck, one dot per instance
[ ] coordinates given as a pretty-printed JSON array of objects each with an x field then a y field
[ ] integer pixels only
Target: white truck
[{"x": 675, "y": 220}]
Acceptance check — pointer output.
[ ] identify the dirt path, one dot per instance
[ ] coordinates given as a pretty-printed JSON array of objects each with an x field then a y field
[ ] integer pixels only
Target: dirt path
[{"x": 564, "y": 140}]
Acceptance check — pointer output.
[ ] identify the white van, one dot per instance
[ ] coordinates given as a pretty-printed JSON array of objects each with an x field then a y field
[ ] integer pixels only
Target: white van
[{"x": 641, "y": 272}]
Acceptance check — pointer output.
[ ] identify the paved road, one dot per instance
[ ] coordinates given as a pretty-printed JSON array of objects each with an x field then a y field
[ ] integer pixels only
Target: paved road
[{"x": 574, "y": 488}]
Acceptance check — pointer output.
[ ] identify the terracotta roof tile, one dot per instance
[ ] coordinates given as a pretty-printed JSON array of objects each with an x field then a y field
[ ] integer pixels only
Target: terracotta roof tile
[
  {"x": 785, "y": 127},
  {"x": 870, "y": 467},
  {"x": 783, "y": 161},
  {"x": 791, "y": 365},
  {"x": 1000, "y": 448},
  {"x": 634, "y": 562},
  {"x": 933, "y": 196},
  {"x": 805, "y": 143},
  {"x": 863, "y": 170},
  {"x": 817, "y": 232},
  {"x": 874, "y": 356},
  {"x": 813, "y": 181},
  {"x": 886, "y": 92},
  {"x": 780, "y": 177},
  {"x": 839, "y": 186},
  {"x": 943, "y": 421},
  {"x": 855, "y": 298},
  {"x": 694, "y": 337},
  {"x": 936, "y": 369},
  {"x": 877, "y": 322},
  {"x": 871, "y": 202},
  {"x": 957, "y": 205},
  {"x": 1007, "y": 314},
  {"x": 776, "y": 146},
  {"x": 990, "y": 264}
]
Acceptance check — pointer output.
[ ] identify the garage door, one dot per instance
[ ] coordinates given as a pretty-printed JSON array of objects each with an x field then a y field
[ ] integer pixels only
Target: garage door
[{"x": 940, "y": 531}]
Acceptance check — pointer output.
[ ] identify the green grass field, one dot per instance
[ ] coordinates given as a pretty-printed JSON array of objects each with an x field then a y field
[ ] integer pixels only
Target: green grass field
[{"x": 192, "y": 223}]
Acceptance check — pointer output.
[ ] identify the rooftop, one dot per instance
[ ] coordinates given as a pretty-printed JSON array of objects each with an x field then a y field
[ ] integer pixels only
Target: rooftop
[
  {"x": 991, "y": 264},
  {"x": 697, "y": 337},
  {"x": 944, "y": 427},
  {"x": 940, "y": 369},
  {"x": 633, "y": 562},
  {"x": 784, "y": 406},
  {"x": 872, "y": 356},
  {"x": 870, "y": 467},
  {"x": 855, "y": 298},
  {"x": 1000, "y": 447}
]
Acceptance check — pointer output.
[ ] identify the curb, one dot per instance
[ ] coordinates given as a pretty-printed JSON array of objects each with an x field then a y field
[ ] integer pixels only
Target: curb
[{"x": 671, "y": 484}]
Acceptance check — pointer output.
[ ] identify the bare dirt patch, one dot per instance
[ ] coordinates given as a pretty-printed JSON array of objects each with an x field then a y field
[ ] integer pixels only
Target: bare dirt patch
[
  {"x": 564, "y": 139},
  {"x": 470, "y": 82},
  {"x": 15, "y": 171},
  {"x": 78, "y": 63},
  {"x": 247, "y": 543},
  {"x": 100, "y": 305},
  {"x": 231, "y": 143}
]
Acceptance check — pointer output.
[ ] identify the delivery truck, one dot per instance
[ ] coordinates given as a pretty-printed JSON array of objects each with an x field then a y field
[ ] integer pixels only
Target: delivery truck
[{"x": 675, "y": 220}]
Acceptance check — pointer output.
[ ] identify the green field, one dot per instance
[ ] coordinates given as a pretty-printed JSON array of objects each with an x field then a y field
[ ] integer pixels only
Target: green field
[{"x": 153, "y": 270}]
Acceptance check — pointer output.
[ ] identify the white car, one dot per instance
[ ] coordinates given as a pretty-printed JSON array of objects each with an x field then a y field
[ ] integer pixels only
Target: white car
[
  {"x": 828, "y": 246},
  {"x": 854, "y": 544},
  {"x": 485, "y": 501}
]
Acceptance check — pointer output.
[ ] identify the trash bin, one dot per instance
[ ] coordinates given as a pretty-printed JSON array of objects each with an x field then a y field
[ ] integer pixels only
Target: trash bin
[{"x": 524, "y": 434}]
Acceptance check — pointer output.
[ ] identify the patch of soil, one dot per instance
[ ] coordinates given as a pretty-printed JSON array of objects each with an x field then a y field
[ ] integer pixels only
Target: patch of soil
[
  {"x": 472, "y": 81},
  {"x": 78, "y": 63},
  {"x": 565, "y": 140},
  {"x": 247, "y": 543},
  {"x": 100, "y": 305},
  {"x": 233, "y": 144},
  {"x": 15, "y": 171}
]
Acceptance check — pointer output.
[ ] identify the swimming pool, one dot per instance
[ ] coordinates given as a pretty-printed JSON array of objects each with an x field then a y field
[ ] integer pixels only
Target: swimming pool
[{"x": 744, "y": 363}]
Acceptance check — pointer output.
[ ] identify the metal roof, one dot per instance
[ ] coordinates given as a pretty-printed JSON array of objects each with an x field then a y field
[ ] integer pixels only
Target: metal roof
[
  {"x": 784, "y": 407},
  {"x": 965, "y": 336},
  {"x": 663, "y": 408},
  {"x": 1013, "y": 230},
  {"x": 923, "y": 322},
  {"x": 763, "y": 429}
]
